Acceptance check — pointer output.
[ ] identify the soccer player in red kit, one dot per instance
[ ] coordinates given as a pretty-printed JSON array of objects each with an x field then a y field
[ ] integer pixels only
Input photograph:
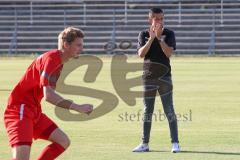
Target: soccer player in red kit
[{"x": 23, "y": 116}]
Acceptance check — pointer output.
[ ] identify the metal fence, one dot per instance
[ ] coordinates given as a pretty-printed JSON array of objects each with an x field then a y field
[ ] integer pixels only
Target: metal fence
[{"x": 217, "y": 12}]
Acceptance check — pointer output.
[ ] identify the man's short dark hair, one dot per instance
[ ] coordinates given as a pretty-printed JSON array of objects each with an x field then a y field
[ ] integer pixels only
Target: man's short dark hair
[{"x": 155, "y": 10}]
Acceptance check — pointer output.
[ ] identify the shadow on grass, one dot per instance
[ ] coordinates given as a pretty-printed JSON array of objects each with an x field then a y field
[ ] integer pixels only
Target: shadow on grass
[
  {"x": 212, "y": 152},
  {"x": 202, "y": 152}
]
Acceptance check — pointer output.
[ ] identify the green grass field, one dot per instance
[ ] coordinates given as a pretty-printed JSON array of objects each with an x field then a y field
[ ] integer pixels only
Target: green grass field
[{"x": 208, "y": 86}]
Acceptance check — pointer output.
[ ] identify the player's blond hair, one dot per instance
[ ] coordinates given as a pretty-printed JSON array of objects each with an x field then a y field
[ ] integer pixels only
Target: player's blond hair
[{"x": 68, "y": 35}]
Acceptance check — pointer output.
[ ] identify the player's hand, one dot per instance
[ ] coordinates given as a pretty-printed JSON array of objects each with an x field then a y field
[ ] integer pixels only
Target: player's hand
[
  {"x": 158, "y": 30},
  {"x": 86, "y": 108},
  {"x": 151, "y": 32},
  {"x": 83, "y": 108}
]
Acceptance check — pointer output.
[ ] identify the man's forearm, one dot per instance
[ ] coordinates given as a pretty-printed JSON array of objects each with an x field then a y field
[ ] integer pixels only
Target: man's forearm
[
  {"x": 168, "y": 51},
  {"x": 143, "y": 50},
  {"x": 52, "y": 97}
]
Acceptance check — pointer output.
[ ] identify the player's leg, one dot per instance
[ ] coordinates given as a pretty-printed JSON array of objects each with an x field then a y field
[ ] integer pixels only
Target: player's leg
[
  {"x": 148, "y": 101},
  {"x": 60, "y": 142},
  {"x": 167, "y": 102},
  {"x": 58, "y": 136},
  {"x": 21, "y": 152},
  {"x": 147, "y": 116},
  {"x": 48, "y": 130},
  {"x": 20, "y": 131},
  {"x": 171, "y": 116}
]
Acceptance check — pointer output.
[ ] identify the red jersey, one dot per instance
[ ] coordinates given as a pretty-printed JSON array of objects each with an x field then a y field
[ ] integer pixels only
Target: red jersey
[{"x": 44, "y": 71}]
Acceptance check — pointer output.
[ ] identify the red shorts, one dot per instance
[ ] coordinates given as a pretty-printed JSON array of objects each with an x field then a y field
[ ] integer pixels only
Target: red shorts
[{"x": 23, "y": 125}]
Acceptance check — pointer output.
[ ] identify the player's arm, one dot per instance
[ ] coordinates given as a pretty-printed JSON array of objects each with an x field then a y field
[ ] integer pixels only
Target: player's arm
[
  {"x": 168, "y": 51},
  {"x": 52, "y": 97},
  {"x": 144, "y": 49},
  {"x": 48, "y": 79}
]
